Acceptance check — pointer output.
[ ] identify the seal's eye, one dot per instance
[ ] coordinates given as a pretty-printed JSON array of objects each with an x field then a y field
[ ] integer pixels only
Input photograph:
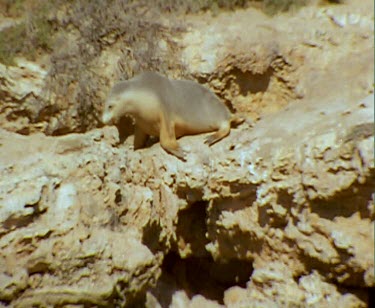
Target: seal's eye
[{"x": 110, "y": 107}]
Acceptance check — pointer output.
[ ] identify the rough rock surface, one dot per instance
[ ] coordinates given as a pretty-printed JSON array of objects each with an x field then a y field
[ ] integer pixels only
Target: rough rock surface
[
  {"x": 277, "y": 214},
  {"x": 84, "y": 220}
]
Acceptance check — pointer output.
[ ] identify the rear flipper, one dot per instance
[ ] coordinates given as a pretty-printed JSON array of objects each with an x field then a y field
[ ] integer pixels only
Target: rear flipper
[
  {"x": 168, "y": 138},
  {"x": 220, "y": 134},
  {"x": 237, "y": 120}
]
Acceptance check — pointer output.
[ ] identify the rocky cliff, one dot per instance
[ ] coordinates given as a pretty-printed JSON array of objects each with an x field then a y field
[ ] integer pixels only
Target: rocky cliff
[{"x": 278, "y": 214}]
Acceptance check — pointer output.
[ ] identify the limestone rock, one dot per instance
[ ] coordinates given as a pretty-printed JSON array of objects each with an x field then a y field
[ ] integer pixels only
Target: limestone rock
[{"x": 276, "y": 214}]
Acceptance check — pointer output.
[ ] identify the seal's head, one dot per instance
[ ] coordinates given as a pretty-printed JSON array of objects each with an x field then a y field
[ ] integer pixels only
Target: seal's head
[
  {"x": 130, "y": 98},
  {"x": 118, "y": 103}
]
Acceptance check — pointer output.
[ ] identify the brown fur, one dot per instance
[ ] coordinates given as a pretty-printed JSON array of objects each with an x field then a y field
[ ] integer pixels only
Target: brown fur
[{"x": 168, "y": 109}]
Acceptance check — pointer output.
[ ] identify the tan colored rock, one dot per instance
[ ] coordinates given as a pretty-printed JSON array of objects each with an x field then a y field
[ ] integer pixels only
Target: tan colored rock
[
  {"x": 310, "y": 290},
  {"x": 278, "y": 59},
  {"x": 72, "y": 206},
  {"x": 58, "y": 210},
  {"x": 278, "y": 214}
]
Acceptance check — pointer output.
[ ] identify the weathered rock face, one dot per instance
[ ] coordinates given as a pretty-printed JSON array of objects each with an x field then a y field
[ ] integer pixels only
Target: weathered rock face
[
  {"x": 84, "y": 221},
  {"x": 277, "y": 214},
  {"x": 258, "y": 65},
  {"x": 62, "y": 241}
]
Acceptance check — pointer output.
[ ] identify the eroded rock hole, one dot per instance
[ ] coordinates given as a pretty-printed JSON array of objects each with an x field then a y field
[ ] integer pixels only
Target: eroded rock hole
[
  {"x": 252, "y": 83},
  {"x": 151, "y": 237},
  {"x": 348, "y": 202},
  {"x": 191, "y": 230},
  {"x": 61, "y": 131},
  {"x": 190, "y": 268},
  {"x": 118, "y": 196},
  {"x": 371, "y": 297},
  {"x": 202, "y": 276}
]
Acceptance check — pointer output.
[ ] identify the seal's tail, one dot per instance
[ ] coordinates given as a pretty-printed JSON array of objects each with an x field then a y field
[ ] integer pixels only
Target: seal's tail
[{"x": 238, "y": 119}]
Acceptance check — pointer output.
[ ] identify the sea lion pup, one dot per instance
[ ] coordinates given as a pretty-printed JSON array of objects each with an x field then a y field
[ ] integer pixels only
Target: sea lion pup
[{"x": 168, "y": 109}]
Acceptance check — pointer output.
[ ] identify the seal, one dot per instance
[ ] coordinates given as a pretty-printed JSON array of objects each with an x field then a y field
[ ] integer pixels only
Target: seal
[{"x": 168, "y": 109}]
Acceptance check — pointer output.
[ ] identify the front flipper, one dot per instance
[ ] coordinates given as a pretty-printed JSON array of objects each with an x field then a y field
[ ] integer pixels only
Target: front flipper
[
  {"x": 168, "y": 137},
  {"x": 220, "y": 134},
  {"x": 140, "y": 138}
]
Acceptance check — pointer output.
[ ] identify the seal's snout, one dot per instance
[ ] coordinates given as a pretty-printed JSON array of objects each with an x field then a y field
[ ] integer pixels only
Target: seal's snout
[{"x": 106, "y": 118}]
